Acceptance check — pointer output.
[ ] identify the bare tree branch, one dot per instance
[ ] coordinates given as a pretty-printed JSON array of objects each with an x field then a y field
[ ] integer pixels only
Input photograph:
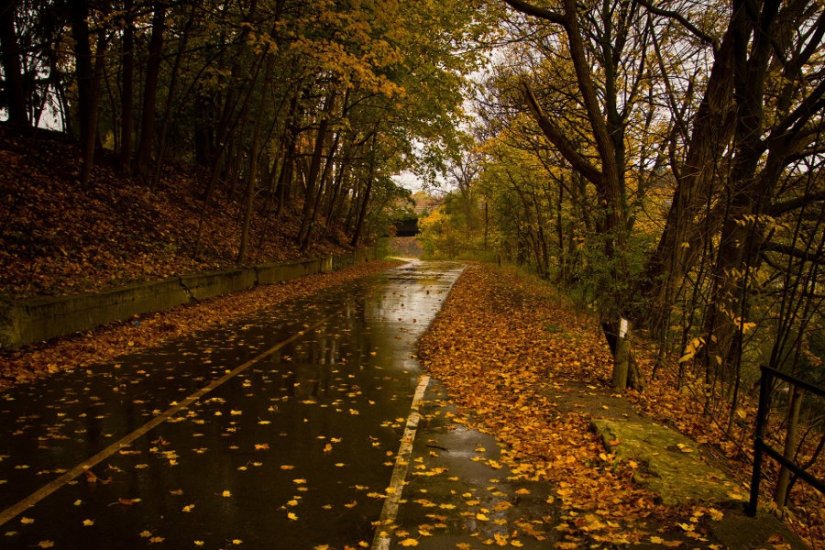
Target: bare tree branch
[
  {"x": 793, "y": 204},
  {"x": 682, "y": 20},
  {"x": 795, "y": 252},
  {"x": 536, "y": 11},
  {"x": 557, "y": 138},
  {"x": 813, "y": 103}
]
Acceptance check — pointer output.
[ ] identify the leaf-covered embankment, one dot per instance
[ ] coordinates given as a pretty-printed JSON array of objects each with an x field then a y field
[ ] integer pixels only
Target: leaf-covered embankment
[
  {"x": 58, "y": 237},
  {"x": 511, "y": 352}
]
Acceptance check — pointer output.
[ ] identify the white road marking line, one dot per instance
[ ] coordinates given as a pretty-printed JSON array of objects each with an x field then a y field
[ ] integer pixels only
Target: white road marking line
[
  {"x": 16, "y": 509},
  {"x": 389, "y": 512}
]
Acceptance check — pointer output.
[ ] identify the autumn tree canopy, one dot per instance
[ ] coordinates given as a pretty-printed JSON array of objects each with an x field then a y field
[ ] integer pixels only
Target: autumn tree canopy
[
  {"x": 663, "y": 161},
  {"x": 308, "y": 105}
]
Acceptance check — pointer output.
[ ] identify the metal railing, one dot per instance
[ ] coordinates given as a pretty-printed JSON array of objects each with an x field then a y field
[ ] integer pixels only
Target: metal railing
[{"x": 760, "y": 447}]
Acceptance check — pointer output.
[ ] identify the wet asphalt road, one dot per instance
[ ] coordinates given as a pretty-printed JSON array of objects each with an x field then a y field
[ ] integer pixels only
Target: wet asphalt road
[{"x": 293, "y": 452}]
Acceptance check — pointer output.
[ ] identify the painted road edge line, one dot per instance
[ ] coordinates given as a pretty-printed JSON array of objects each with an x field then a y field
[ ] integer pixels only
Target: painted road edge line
[
  {"x": 16, "y": 509},
  {"x": 389, "y": 512}
]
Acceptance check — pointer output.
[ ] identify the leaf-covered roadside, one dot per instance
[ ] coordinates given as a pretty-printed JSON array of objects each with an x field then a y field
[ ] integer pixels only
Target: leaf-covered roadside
[
  {"x": 507, "y": 348},
  {"x": 117, "y": 339}
]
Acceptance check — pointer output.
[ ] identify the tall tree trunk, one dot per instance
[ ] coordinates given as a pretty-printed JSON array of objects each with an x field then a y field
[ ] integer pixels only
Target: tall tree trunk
[
  {"x": 84, "y": 67},
  {"x": 332, "y": 205},
  {"x": 563, "y": 260},
  {"x": 353, "y": 206},
  {"x": 290, "y": 140},
  {"x": 150, "y": 89},
  {"x": 94, "y": 113},
  {"x": 227, "y": 126},
  {"x": 88, "y": 74},
  {"x": 362, "y": 215},
  {"x": 249, "y": 199},
  {"x": 322, "y": 190},
  {"x": 284, "y": 187},
  {"x": 486, "y": 224},
  {"x": 170, "y": 95},
  {"x": 203, "y": 131},
  {"x": 254, "y": 166},
  {"x": 127, "y": 92},
  {"x": 315, "y": 166},
  {"x": 681, "y": 242},
  {"x": 741, "y": 237},
  {"x": 12, "y": 68}
]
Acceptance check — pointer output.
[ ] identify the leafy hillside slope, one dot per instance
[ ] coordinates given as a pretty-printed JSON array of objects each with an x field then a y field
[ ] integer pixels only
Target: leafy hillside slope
[{"x": 58, "y": 237}]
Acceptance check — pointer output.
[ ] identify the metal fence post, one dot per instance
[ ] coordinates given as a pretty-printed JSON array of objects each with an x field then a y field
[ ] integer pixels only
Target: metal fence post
[{"x": 764, "y": 395}]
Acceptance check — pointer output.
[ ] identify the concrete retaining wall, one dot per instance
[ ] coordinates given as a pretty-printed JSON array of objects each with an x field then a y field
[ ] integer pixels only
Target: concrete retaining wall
[{"x": 36, "y": 319}]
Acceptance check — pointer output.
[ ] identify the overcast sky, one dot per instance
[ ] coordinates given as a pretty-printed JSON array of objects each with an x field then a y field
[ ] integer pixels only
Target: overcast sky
[{"x": 408, "y": 180}]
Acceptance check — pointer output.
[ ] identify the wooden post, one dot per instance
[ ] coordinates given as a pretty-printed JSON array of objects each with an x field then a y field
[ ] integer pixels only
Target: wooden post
[{"x": 622, "y": 355}]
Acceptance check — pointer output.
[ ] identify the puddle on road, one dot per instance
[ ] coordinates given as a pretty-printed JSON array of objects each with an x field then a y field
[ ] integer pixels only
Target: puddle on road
[{"x": 292, "y": 453}]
